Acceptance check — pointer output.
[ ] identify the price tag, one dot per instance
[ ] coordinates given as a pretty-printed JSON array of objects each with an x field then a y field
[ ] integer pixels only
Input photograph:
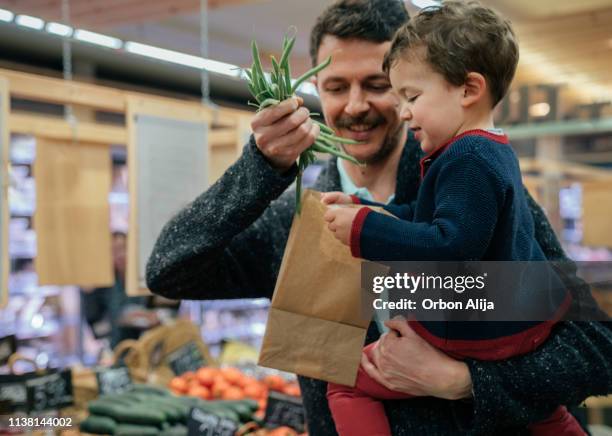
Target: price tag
[
  {"x": 49, "y": 392},
  {"x": 186, "y": 358},
  {"x": 13, "y": 393},
  {"x": 284, "y": 410},
  {"x": 201, "y": 423},
  {"x": 8, "y": 345},
  {"x": 113, "y": 380}
]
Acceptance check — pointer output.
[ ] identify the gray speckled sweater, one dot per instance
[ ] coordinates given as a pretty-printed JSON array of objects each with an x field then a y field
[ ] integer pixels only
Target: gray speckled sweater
[{"x": 230, "y": 241}]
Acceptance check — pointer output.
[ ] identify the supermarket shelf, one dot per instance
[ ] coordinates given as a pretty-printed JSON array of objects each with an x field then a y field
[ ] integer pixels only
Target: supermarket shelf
[{"x": 237, "y": 304}]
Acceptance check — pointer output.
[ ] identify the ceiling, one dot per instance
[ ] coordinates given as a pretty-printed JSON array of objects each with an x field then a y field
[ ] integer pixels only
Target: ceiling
[{"x": 562, "y": 41}]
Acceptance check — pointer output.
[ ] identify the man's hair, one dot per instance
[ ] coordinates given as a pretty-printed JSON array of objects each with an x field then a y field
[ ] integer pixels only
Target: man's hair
[
  {"x": 370, "y": 20},
  {"x": 459, "y": 38}
]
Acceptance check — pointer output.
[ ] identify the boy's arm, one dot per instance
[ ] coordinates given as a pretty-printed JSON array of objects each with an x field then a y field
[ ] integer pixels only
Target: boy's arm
[
  {"x": 402, "y": 211},
  {"x": 468, "y": 196}
]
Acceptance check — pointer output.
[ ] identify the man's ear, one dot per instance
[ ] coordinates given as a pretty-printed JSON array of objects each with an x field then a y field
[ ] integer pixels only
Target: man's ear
[{"x": 475, "y": 89}]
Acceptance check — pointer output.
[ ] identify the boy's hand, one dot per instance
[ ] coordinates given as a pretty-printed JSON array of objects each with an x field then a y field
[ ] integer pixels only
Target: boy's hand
[
  {"x": 336, "y": 197},
  {"x": 339, "y": 221}
]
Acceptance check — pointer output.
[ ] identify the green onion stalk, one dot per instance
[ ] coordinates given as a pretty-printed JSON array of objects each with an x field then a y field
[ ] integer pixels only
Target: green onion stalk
[{"x": 270, "y": 90}]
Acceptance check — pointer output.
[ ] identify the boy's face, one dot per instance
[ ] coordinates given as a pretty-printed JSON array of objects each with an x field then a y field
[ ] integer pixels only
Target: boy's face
[
  {"x": 429, "y": 104},
  {"x": 357, "y": 99}
]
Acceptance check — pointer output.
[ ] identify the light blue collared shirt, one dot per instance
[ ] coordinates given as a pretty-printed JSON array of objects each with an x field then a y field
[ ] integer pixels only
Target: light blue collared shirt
[{"x": 349, "y": 187}]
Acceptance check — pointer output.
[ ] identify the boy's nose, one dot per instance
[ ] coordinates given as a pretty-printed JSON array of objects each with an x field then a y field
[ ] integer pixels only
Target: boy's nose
[{"x": 405, "y": 114}]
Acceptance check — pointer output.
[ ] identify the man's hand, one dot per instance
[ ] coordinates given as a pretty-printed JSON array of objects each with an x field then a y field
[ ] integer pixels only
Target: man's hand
[
  {"x": 335, "y": 197},
  {"x": 405, "y": 362},
  {"x": 283, "y": 131},
  {"x": 339, "y": 221}
]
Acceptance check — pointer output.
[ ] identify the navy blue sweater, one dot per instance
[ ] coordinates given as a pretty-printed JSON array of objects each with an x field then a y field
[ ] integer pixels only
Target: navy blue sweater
[{"x": 470, "y": 206}]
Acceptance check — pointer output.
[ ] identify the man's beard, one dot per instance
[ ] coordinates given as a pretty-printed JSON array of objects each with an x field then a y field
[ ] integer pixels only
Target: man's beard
[{"x": 390, "y": 141}]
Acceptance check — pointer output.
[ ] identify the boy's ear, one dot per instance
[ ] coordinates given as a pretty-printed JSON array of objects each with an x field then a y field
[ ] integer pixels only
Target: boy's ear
[{"x": 475, "y": 89}]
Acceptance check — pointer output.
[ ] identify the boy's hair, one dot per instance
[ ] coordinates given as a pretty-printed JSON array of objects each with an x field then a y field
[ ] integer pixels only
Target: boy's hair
[
  {"x": 461, "y": 37},
  {"x": 370, "y": 20}
]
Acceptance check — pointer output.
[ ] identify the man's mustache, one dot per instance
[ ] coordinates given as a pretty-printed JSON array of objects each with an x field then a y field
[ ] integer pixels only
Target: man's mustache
[{"x": 346, "y": 121}]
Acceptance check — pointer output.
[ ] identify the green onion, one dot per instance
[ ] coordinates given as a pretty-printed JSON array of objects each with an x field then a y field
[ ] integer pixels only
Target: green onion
[{"x": 278, "y": 88}]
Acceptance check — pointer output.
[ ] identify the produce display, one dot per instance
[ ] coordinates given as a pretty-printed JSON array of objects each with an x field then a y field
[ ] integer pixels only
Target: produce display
[
  {"x": 209, "y": 383},
  {"x": 148, "y": 410},
  {"x": 271, "y": 89}
]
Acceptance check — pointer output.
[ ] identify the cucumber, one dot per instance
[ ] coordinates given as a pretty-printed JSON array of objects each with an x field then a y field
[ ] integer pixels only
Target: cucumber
[
  {"x": 243, "y": 409},
  {"x": 135, "y": 414},
  {"x": 173, "y": 412},
  {"x": 177, "y": 430},
  {"x": 103, "y": 408},
  {"x": 140, "y": 415},
  {"x": 150, "y": 389},
  {"x": 136, "y": 430},
  {"x": 98, "y": 425}
]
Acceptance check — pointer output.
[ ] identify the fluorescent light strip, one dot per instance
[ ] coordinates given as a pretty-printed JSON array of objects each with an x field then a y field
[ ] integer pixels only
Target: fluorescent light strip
[
  {"x": 6, "y": 15},
  {"x": 97, "y": 38},
  {"x": 425, "y": 3},
  {"x": 181, "y": 58},
  {"x": 59, "y": 29},
  {"x": 29, "y": 21}
]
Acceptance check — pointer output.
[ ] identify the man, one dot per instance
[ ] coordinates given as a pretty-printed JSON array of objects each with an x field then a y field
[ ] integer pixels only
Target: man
[{"x": 229, "y": 244}]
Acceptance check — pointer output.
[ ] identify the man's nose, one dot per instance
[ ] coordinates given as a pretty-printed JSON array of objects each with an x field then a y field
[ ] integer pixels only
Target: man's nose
[{"x": 357, "y": 103}]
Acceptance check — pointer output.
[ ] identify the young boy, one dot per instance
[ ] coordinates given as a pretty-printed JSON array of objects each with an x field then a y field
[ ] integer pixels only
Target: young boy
[{"x": 450, "y": 66}]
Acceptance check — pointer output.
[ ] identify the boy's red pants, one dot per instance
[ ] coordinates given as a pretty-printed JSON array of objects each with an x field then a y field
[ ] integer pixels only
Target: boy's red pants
[{"x": 359, "y": 411}]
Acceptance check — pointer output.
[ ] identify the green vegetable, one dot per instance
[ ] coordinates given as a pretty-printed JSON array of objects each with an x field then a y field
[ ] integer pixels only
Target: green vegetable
[
  {"x": 278, "y": 88},
  {"x": 136, "y": 430},
  {"x": 98, "y": 425}
]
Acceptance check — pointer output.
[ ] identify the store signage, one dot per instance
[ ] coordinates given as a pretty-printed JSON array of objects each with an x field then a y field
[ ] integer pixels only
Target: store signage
[
  {"x": 49, "y": 391},
  {"x": 186, "y": 358},
  {"x": 8, "y": 345},
  {"x": 13, "y": 393},
  {"x": 113, "y": 380},
  {"x": 284, "y": 410},
  {"x": 202, "y": 423}
]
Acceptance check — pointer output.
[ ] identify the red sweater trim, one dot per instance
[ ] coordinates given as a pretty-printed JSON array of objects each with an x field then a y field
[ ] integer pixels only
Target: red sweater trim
[
  {"x": 356, "y": 230},
  {"x": 498, "y": 348},
  {"x": 502, "y": 139},
  {"x": 355, "y": 199}
]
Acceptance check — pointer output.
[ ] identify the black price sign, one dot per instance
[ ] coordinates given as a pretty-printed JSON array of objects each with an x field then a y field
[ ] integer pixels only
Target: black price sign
[
  {"x": 186, "y": 358},
  {"x": 201, "y": 423},
  {"x": 113, "y": 380},
  {"x": 13, "y": 394},
  {"x": 49, "y": 392},
  {"x": 8, "y": 345},
  {"x": 284, "y": 410}
]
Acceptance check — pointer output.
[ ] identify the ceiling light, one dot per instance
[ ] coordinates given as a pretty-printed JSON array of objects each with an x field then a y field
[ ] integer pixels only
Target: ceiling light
[
  {"x": 6, "y": 15},
  {"x": 59, "y": 29},
  {"x": 425, "y": 3},
  {"x": 29, "y": 21},
  {"x": 539, "y": 109},
  {"x": 97, "y": 38},
  {"x": 182, "y": 58}
]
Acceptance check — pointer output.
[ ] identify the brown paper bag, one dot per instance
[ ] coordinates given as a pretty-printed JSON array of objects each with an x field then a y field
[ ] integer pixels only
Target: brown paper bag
[{"x": 316, "y": 325}]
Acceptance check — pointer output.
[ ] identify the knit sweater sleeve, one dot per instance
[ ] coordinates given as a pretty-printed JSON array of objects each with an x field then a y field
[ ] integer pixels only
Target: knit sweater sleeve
[
  {"x": 229, "y": 241},
  {"x": 467, "y": 197},
  {"x": 402, "y": 211},
  {"x": 570, "y": 366}
]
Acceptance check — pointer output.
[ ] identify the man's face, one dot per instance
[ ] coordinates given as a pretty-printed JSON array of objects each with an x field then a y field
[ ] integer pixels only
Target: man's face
[{"x": 357, "y": 99}]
